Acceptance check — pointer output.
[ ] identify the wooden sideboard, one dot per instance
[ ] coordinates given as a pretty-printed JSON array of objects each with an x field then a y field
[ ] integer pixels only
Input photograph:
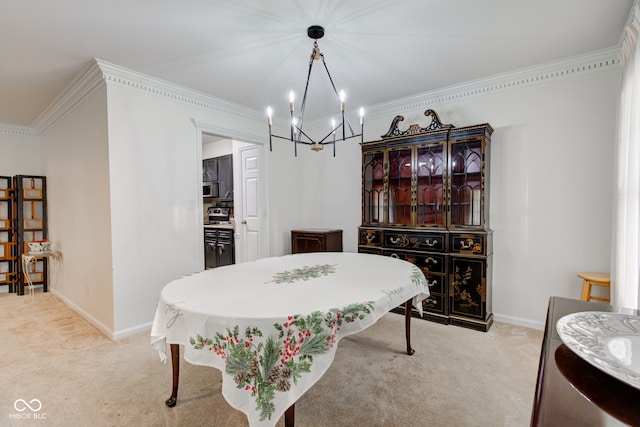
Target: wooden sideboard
[
  {"x": 316, "y": 240},
  {"x": 572, "y": 392}
]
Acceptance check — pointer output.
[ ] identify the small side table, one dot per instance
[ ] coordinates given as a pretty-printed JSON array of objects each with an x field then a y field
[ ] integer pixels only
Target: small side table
[
  {"x": 316, "y": 240},
  {"x": 30, "y": 260},
  {"x": 590, "y": 279}
]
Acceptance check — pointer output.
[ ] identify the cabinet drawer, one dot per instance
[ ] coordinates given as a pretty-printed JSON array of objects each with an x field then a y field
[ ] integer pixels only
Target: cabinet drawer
[
  {"x": 436, "y": 283},
  {"x": 370, "y": 237},
  {"x": 468, "y": 243},
  {"x": 369, "y": 250},
  {"x": 225, "y": 234},
  {"x": 423, "y": 241},
  {"x": 435, "y": 304},
  {"x": 433, "y": 266},
  {"x": 428, "y": 263}
]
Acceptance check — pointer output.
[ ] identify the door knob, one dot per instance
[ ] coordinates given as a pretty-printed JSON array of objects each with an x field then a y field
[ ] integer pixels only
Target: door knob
[{"x": 243, "y": 221}]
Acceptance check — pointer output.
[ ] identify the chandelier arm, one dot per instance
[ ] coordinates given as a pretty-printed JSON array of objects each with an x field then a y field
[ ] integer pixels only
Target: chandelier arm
[
  {"x": 329, "y": 74},
  {"x": 306, "y": 88},
  {"x": 300, "y": 133}
]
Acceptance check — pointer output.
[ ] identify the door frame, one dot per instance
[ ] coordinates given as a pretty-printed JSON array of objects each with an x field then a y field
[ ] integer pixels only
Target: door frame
[{"x": 238, "y": 137}]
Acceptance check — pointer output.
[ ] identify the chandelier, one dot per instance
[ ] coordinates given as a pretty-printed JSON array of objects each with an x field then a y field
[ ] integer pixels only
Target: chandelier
[{"x": 298, "y": 135}]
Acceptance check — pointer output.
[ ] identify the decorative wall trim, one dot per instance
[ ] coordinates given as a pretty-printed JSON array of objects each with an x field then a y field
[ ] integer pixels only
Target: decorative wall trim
[
  {"x": 520, "y": 78},
  {"x": 118, "y": 75},
  {"x": 230, "y": 133},
  {"x": 101, "y": 71},
  {"x": 17, "y": 130},
  {"x": 89, "y": 80}
]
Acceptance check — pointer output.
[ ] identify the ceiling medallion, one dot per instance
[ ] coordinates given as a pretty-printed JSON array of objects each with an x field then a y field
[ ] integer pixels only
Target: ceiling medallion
[{"x": 298, "y": 135}]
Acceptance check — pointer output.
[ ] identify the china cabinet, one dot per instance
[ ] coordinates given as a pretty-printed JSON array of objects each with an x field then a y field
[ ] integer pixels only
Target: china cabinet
[{"x": 425, "y": 199}]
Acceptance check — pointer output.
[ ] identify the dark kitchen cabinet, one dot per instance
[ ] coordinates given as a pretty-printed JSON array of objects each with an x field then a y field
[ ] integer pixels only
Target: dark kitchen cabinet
[
  {"x": 425, "y": 199},
  {"x": 210, "y": 170},
  {"x": 219, "y": 170},
  {"x": 316, "y": 240},
  {"x": 219, "y": 247},
  {"x": 225, "y": 178}
]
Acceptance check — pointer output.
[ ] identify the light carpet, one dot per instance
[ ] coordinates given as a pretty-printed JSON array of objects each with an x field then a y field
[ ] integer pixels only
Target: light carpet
[{"x": 457, "y": 377}]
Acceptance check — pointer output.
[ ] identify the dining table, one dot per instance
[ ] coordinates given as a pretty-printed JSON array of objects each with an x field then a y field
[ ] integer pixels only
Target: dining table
[{"x": 272, "y": 326}]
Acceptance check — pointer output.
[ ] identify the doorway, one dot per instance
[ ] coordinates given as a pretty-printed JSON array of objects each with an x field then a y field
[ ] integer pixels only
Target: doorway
[{"x": 248, "y": 208}]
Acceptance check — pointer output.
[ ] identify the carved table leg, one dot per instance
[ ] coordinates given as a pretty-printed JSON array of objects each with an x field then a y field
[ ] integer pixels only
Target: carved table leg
[
  {"x": 175, "y": 363},
  {"x": 407, "y": 326},
  {"x": 289, "y": 416}
]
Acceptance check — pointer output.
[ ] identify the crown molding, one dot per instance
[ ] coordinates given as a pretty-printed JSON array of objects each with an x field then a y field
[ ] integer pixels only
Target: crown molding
[
  {"x": 87, "y": 81},
  {"x": 101, "y": 72},
  {"x": 124, "y": 77},
  {"x": 10, "y": 129},
  {"x": 520, "y": 78}
]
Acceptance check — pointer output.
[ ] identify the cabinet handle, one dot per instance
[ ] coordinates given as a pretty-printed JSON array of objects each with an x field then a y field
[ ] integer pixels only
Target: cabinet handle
[
  {"x": 428, "y": 242},
  {"x": 432, "y": 283},
  {"x": 394, "y": 241},
  {"x": 394, "y": 255},
  {"x": 428, "y": 260},
  {"x": 466, "y": 244}
]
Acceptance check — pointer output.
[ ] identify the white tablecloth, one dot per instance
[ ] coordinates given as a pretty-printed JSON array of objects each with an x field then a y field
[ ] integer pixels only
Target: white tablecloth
[{"x": 272, "y": 326}]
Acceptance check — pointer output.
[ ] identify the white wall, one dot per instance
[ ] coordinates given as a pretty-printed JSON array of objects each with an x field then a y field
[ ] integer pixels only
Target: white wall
[
  {"x": 21, "y": 153},
  {"x": 156, "y": 153},
  {"x": 77, "y": 170},
  {"x": 217, "y": 148}
]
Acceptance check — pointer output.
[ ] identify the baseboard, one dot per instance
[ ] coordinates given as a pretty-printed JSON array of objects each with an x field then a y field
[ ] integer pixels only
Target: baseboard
[
  {"x": 86, "y": 316},
  {"x": 527, "y": 323},
  {"x": 145, "y": 327}
]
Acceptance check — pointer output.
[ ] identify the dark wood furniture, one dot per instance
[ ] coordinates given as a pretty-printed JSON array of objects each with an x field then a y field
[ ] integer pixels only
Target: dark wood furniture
[
  {"x": 31, "y": 225},
  {"x": 572, "y": 392},
  {"x": 316, "y": 240},
  {"x": 9, "y": 258},
  {"x": 425, "y": 199}
]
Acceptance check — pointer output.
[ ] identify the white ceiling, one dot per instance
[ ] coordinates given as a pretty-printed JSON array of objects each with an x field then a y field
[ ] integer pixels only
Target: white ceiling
[{"x": 252, "y": 52}]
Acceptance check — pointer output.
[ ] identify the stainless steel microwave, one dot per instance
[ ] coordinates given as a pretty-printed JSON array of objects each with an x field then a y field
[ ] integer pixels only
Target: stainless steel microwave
[{"x": 210, "y": 189}]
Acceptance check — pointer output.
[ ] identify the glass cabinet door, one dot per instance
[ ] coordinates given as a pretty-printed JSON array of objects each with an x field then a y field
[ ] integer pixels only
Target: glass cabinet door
[
  {"x": 430, "y": 207},
  {"x": 400, "y": 186},
  {"x": 466, "y": 179},
  {"x": 373, "y": 188}
]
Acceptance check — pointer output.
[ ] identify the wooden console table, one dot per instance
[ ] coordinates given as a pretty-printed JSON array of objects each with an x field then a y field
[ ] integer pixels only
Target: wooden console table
[
  {"x": 572, "y": 392},
  {"x": 316, "y": 240}
]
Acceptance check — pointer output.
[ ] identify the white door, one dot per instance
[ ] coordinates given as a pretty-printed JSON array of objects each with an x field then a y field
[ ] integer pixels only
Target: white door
[{"x": 250, "y": 221}]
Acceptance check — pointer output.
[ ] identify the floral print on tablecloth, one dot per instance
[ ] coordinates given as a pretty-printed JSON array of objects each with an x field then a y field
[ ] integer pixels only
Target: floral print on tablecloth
[
  {"x": 303, "y": 273},
  {"x": 263, "y": 367}
]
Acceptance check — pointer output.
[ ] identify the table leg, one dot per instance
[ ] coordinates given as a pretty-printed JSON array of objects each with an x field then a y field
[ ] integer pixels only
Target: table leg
[
  {"x": 175, "y": 364},
  {"x": 289, "y": 416},
  {"x": 407, "y": 326}
]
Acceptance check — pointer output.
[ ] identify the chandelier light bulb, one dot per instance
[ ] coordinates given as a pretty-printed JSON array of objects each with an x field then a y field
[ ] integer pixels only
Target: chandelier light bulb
[
  {"x": 333, "y": 125},
  {"x": 361, "y": 115},
  {"x": 292, "y": 96},
  {"x": 269, "y": 115},
  {"x": 343, "y": 97}
]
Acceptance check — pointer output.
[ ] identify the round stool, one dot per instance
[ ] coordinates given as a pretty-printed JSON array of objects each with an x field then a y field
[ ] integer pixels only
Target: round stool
[{"x": 593, "y": 279}]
